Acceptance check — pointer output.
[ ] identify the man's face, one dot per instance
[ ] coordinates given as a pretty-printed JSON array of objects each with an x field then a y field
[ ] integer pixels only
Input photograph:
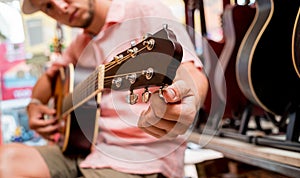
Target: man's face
[{"x": 74, "y": 13}]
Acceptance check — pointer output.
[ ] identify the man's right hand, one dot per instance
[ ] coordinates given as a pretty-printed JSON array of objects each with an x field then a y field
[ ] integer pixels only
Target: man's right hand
[{"x": 36, "y": 118}]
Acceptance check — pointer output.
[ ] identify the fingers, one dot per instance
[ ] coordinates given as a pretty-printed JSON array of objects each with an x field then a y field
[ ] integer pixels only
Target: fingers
[
  {"x": 36, "y": 115},
  {"x": 44, "y": 127},
  {"x": 176, "y": 92},
  {"x": 157, "y": 130},
  {"x": 172, "y": 116},
  {"x": 179, "y": 100},
  {"x": 48, "y": 131},
  {"x": 159, "y": 127},
  {"x": 172, "y": 111},
  {"x": 39, "y": 110}
]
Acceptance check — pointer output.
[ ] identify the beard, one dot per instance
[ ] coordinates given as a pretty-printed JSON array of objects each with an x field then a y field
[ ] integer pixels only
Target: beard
[{"x": 91, "y": 12}]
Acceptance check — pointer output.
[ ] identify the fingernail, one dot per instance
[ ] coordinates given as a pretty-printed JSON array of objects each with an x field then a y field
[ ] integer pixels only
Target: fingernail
[{"x": 171, "y": 94}]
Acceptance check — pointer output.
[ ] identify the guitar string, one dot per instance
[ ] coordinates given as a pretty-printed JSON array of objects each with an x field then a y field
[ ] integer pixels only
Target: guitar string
[
  {"x": 90, "y": 85},
  {"x": 92, "y": 80},
  {"x": 114, "y": 63}
]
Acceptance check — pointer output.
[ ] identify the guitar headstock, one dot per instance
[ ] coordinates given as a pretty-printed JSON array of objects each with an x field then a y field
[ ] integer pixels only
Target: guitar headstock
[{"x": 151, "y": 62}]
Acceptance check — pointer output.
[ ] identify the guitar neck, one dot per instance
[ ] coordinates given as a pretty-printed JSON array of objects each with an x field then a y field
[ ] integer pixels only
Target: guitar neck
[{"x": 84, "y": 91}]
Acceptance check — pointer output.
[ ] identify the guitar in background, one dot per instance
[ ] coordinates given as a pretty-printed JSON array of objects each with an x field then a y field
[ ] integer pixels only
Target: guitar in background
[
  {"x": 152, "y": 62},
  {"x": 236, "y": 21},
  {"x": 296, "y": 45},
  {"x": 264, "y": 62}
]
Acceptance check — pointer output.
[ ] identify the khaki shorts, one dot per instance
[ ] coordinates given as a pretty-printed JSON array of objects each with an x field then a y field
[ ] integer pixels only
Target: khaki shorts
[{"x": 61, "y": 166}]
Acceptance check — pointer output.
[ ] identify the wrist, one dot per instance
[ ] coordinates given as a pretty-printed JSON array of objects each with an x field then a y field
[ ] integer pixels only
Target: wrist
[{"x": 35, "y": 101}]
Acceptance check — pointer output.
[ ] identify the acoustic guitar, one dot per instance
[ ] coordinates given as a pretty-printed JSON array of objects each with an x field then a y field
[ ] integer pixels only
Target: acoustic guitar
[
  {"x": 236, "y": 22},
  {"x": 264, "y": 62},
  {"x": 152, "y": 62}
]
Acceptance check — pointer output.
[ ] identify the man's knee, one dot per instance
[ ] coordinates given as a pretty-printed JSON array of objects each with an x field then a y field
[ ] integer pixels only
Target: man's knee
[{"x": 10, "y": 154}]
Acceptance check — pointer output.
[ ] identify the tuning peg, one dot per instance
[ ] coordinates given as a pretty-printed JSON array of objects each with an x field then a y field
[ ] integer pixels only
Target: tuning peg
[
  {"x": 148, "y": 73},
  {"x": 149, "y": 44},
  {"x": 132, "y": 98},
  {"x": 131, "y": 78},
  {"x": 147, "y": 35},
  {"x": 118, "y": 59},
  {"x": 165, "y": 26},
  {"x": 132, "y": 43},
  {"x": 133, "y": 52},
  {"x": 160, "y": 92},
  {"x": 146, "y": 95},
  {"x": 117, "y": 82}
]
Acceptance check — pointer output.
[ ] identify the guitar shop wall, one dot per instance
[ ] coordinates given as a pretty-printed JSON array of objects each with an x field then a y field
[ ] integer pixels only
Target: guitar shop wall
[{"x": 26, "y": 42}]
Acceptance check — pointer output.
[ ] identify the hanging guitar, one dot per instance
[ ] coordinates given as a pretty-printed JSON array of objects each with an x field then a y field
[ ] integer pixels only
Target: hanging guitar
[
  {"x": 264, "y": 62},
  {"x": 152, "y": 62}
]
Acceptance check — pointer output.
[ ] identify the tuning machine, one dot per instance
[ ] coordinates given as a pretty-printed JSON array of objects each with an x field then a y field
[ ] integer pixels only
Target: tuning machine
[
  {"x": 146, "y": 95},
  {"x": 160, "y": 92},
  {"x": 118, "y": 59},
  {"x": 133, "y": 43},
  {"x": 131, "y": 78},
  {"x": 117, "y": 82},
  {"x": 147, "y": 35},
  {"x": 148, "y": 73},
  {"x": 132, "y": 98}
]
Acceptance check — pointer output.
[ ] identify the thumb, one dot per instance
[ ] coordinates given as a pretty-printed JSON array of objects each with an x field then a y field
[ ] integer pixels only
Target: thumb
[
  {"x": 176, "y": 91},
  {"x": 46, "y": 110}
]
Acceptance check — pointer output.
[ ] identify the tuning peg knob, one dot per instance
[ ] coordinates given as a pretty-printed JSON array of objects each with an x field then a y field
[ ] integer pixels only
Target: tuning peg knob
[
  {"x": 131, "y": 78},
  {"x": 133, "y": 43},
  {"x": 146, "y": 95},
  {"x": 117, "y": 82},
  {"x": 133, "y": 52},
  {"x": 160, "y": 92},
  {"x": 147, "y": 35},
  {"x": 165, "y": 26},
  {"x": 148, "y": 73},
  {"x": 118, "y": 59},
  {"x": 132, "y": 98}
]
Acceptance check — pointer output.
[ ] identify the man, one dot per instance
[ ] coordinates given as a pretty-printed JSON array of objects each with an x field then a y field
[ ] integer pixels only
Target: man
[{"x": 134, "y": 140}]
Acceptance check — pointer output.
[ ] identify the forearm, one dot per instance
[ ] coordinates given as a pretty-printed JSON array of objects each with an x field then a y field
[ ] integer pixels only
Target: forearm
[
  {"x": 42, "y": 90},
  {"x": 195, "y": 79}
]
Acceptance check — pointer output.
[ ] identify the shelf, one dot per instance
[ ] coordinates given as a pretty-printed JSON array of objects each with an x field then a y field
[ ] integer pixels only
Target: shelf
[{"x": 273, "y": 159}]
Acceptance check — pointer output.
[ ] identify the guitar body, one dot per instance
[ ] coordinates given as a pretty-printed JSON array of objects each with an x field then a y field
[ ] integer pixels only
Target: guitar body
[
  {"x": 264, "y": 63},
  {"x": 79, "y": 127}
]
